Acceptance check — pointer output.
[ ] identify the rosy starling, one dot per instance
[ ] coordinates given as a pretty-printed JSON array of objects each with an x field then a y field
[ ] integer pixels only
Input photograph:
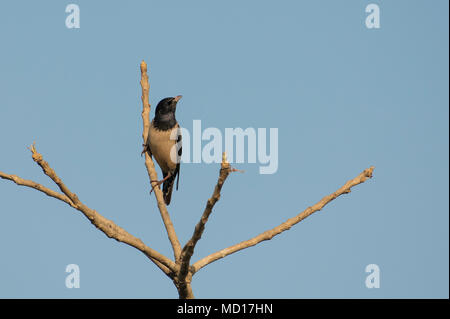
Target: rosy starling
[{"x": 164, "y": 144}]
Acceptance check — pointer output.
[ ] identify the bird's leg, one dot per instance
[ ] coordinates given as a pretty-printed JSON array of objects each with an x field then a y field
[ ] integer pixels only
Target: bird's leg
[{"x": 160, "y": 182}]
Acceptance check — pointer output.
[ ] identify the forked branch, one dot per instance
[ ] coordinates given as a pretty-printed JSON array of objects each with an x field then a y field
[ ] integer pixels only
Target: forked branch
[
  {"x": 28, "y": 183},
  {"x": 108, "y": 227}
]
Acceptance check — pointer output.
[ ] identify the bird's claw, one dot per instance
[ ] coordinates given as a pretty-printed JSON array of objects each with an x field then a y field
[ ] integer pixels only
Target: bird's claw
[
  {"x": 158, "y": 182},
  {"x": 144, "y": 150}
]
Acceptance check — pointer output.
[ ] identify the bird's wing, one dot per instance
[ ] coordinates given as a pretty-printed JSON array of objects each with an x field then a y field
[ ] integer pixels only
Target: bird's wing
[
  {"x": 180, "y": 152},
  {"x": 168, "y": 184},
  {"x": 147, "y": 144}
]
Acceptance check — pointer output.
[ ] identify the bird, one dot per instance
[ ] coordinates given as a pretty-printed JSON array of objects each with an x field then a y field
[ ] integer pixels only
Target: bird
[{"x": 164, "y": 144}]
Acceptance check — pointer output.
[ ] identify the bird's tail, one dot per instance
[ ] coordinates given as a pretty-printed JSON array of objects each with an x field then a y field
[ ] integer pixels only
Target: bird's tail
[{"x": 167, "y": 189}]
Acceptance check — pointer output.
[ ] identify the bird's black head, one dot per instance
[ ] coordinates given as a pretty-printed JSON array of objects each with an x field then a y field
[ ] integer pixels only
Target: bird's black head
[{"x": 165, "y": 113}]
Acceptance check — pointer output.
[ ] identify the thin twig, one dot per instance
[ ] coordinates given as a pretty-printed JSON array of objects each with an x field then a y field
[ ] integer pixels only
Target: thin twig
[
  {"x": 188, "y": 249},
  {"x": 28, "y": 183},
  {"x": 267, "y": 235},
  {"x": 51, "y": 173}
]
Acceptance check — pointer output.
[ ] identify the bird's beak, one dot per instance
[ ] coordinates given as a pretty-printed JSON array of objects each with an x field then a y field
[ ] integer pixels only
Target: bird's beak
[{"x": 177, "y": 98}]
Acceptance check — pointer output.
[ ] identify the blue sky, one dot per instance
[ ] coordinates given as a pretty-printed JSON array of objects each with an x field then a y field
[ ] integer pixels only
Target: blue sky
[{"x": 342, "y": 96}]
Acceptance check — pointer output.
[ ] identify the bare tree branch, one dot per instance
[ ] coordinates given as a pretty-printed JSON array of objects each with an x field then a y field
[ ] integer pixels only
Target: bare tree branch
[
  {"x": 188, "y": 249},
  {"x": 151, "y": 167},
  {"x": 108, "y": 227},
  {"x": 28, "y": 183},
  {"x": 184, "y": 275},
  {"x": 51, "y": 173},
  {"x": 269, "y": 234}
]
